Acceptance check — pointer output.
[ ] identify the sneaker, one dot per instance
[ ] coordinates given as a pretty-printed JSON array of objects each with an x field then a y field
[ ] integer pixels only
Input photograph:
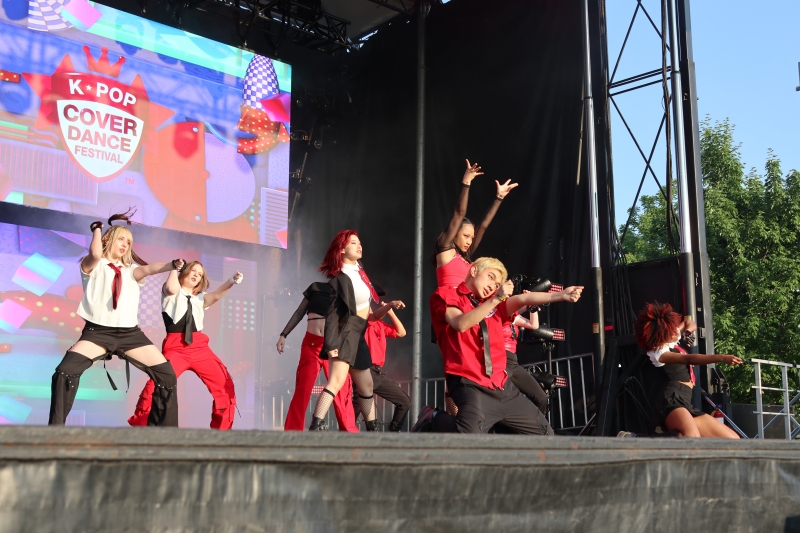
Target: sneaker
[
  {"x": 424, "y": 420},
  {"x": 626, "y": 435}
]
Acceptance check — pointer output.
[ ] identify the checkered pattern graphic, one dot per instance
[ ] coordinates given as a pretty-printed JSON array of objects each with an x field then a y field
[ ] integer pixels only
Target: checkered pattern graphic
[
  {"x": 45, "y": 15},
  {"x": 260, "y": 82},
  {"x": 150, "y": 301}
]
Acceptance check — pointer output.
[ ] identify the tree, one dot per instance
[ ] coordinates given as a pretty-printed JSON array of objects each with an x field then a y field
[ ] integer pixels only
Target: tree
[{"x": 752, "y": 224}]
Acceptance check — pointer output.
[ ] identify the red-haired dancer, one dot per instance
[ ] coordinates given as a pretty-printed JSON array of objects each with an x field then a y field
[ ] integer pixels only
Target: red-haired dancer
[
  {"x": 459, "y": 240},
  {"x": 344, "y": 344},
  {"x": 659, "y": 330},
  {"x": 112, "y": 274},
  {"x": 316, "y": 304},
  {"x": 183, "y": 305}
]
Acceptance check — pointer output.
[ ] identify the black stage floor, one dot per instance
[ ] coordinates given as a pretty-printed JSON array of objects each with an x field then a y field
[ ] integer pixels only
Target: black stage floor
[{"x": 168, "y": 480}]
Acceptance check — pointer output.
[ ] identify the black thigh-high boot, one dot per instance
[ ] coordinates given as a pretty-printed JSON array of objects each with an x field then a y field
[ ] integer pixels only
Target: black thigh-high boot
[
  {"x": 64, "y": 387},
  {"x": 164, "y": 410}
]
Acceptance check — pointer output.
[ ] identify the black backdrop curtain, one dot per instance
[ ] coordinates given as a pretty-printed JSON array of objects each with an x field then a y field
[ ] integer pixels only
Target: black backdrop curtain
[{"x": 504, "y": 90}]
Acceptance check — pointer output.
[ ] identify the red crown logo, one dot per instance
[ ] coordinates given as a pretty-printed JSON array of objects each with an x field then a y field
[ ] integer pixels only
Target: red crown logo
[{"x": 102, "y": 65}]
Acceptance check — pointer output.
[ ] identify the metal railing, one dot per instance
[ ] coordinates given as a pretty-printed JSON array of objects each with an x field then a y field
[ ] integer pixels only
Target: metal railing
[
  {"x": 568, "y": 406},
  {"x": 790, "y": 423}
]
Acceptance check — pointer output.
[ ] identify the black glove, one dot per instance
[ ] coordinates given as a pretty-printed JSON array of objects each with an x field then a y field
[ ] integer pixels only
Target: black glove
[{"x": 96, "y": 225}]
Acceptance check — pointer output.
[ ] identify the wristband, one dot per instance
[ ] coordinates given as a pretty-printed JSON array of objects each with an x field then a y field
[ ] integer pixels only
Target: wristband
[
  {"x": 498, "y": 198},
  {"x": 534, "y": 308},
  {"x": 234, "y": 280},
  {"x": 465, "y": 185},
  {"x": 96, "y": 225},
  {"x": 502, "y": 298},
  {"x": 175, "y": 265}
]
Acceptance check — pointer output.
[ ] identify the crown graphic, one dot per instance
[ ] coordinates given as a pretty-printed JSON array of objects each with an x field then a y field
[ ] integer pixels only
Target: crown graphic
[{"x": 102, "y": 65}]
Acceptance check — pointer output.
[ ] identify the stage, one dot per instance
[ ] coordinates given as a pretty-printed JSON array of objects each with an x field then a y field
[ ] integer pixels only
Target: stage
[{"x": 66, "y": 479}]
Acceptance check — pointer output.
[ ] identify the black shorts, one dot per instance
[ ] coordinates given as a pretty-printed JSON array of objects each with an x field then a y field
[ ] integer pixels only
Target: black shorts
[
  {"x": 674, "y": 395},
  {"x": 113, "y": 339}
]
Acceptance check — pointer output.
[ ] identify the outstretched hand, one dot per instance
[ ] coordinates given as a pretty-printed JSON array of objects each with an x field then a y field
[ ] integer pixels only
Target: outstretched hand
[
  {"x": 731, "y": 360},
  {"x": 505, "y": 188},
  {"x": 471, "y": 173},
  {"x": 572, "y": 294},
  {"x": 396, "y": 304}
]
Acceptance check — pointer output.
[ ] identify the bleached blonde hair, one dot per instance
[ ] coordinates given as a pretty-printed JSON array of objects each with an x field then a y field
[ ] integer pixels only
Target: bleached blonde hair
[{"x": 490, "y": 262}]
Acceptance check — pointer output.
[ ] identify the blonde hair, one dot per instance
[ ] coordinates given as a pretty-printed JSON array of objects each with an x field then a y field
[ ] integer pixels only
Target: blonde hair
[
  {"x": 204, "y": 283},
  {"x": 111, "y": 235},
  {"x": 490, "y": 262}
]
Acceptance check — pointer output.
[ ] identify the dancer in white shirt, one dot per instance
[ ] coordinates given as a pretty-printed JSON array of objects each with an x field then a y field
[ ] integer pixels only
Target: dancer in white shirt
[
  {"x": 112, "y": 274},
  {"x": 183, "y": 304}
]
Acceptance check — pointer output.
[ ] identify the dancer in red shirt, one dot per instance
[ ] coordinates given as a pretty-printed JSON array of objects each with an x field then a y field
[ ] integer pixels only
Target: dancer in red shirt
[
  {"x": 316, "y": 304},
  {"x": 459, "y": 240},
  {"x": 377, "y": 333},
  {"x": 469, "y": 320},
  {"x": 183, "y": 305}
]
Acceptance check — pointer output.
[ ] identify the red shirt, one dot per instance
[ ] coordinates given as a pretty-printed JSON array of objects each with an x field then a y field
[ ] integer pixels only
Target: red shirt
[
  {"x": 375, "y": 335},
  {"x": 454, "y": 272},
  {"x": 508, "y": 338},
  {"x": 463, "y": 352}
]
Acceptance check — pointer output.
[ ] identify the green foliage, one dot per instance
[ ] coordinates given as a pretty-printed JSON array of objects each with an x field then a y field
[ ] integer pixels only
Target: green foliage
[{"x": 752, "y": 223}]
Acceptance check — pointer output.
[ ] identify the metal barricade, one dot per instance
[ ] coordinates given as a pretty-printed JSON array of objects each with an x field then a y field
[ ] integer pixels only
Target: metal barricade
[
  {"x": 791, "y": 425},
  {"x": 568, "y": 406}
]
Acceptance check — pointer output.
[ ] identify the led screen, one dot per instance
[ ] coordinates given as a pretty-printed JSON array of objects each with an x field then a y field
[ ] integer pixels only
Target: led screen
[
  {"x": 101, "y": 110},
  {"x": 40, "y": 289}
]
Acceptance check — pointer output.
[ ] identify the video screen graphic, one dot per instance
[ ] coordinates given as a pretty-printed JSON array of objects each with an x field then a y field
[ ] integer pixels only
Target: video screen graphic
[
  {"x": 40, "y": 289},
  {"x": 101, "y": 110}
]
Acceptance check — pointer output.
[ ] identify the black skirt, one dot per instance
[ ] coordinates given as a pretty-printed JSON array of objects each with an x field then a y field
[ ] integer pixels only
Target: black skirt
[
  {"x": 353, "y": 349},
  {"x": 674, "y": 395}
]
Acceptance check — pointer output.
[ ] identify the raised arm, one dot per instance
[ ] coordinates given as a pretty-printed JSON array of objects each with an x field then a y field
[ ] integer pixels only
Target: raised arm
[
  {"x": 172, "y": 285},
  {"x": 141, "y": 272},
  {"x": 95, "y": 248},
  {"x": 380, "y": 312},
  {"x": 460, "y": 211},
  {"x": 672, "y": 358},
  {"x": 297, "y": 316},
  {"x": 213, "y": 297},
  {"x": 502, "y": 192},
  {"x": 523, "y": 322},
  {"x": 515, "y": 303},
  {"x": 401, "y": 330},
  {"x": 461, "y": 321}
]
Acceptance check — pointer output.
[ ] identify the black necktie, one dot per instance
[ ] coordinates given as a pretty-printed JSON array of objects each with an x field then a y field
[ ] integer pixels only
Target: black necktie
[
  {"x": 189, "y": 327},
  {"x": 487, "y": 350}
]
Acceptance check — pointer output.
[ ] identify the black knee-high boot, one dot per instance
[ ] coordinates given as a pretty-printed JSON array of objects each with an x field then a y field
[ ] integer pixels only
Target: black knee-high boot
[
  {"x": 164, "y": 410},
  {"x": 64, "y": 387}
]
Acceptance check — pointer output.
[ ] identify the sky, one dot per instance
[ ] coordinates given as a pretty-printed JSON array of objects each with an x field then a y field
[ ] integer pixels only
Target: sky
[{"x": 746, "y": 57}]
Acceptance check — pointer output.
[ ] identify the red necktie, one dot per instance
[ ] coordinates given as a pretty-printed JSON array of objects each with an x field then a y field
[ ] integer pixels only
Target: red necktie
[
  {"x": 372, "y": 290},
  {"x": 116, "y": 285}
]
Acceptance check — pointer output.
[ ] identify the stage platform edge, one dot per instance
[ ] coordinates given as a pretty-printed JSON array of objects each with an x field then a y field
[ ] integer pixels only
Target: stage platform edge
[{"x": 170, "y": 480}]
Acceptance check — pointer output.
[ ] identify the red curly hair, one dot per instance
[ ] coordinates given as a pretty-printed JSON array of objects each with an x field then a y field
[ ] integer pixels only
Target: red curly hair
[
  {"x": 656, "y": 325},
  {"x": 332, "y": 262}
]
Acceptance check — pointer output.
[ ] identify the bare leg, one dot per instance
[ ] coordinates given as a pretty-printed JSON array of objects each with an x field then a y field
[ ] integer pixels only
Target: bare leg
[
  {"x": 683, "y": 422},
  {"x": 147, "y": 355},
  {"x": 709, "y": 427}
]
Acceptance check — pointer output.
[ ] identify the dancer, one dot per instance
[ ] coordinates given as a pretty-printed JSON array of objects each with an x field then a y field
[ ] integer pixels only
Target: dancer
[
  {"x": 183, "y": 305},
  {"x": 469, "y": 330},
  {"x": 662, "y": 332},
  {"x": 345, "y": 324},
  {"x": 459, "y": 240},
  {"x": 377, "y": 332},
  {"x": 316, "y": 302},
  {"x": 518, "y": 375},
  {"x": 110, "y": 306}
]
